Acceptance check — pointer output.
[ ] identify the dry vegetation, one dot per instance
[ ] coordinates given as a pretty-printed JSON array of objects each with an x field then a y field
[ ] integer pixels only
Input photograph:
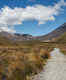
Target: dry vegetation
[
  {"x": 24, "y": 60},
  {"x": 20, "y": 63}
]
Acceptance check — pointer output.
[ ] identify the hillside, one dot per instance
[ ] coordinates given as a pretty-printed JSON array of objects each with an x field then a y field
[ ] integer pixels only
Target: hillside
[
  {"x": 22, "y": 56},
  {"x": 54, "y": 34},
  {"x": 18, "y": 39},
  {"x": 62, "y": 38}
]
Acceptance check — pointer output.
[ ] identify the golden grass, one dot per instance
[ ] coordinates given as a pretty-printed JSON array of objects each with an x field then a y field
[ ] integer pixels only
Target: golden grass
[{"x": 21, "y": 62}]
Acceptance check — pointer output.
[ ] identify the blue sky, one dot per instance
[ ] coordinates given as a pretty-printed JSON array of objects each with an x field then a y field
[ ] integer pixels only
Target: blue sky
[{"x": 37, "y": 22}]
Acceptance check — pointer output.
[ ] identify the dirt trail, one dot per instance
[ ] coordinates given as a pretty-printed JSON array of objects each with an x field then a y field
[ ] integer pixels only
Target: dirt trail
[{"x": 55, "y": 68}]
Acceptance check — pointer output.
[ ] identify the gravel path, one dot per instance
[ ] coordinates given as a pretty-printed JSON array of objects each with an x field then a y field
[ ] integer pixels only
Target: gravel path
[{"x": 55, "y": 68}]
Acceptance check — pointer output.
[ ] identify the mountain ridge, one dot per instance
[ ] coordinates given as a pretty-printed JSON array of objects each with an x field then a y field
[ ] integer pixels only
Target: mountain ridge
[
  {"x": 27, "y": 37},
  {"x": 54, "y": 34}
]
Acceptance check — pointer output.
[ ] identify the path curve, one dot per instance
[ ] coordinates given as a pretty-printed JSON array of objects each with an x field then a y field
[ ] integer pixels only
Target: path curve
[{"x": 55, "y": 68}]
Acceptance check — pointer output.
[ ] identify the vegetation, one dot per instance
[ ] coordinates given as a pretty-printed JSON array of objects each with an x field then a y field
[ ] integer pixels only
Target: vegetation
[
  {"x": 20, "y": 63},
  {"x": 62, "y": 38},
  {"x": 21, "y": 60}
]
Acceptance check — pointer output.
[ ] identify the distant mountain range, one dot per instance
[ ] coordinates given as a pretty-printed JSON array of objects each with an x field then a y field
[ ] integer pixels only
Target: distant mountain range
[{"x": 52, "y": 36}]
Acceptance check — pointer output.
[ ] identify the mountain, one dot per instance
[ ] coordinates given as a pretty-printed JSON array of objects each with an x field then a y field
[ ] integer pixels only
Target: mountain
[
  {"x": 16, "y": 37},
  {"x": 54, "y": 34},
  {"x": 62, "y": 38},
  {"x": 23, "y": 37},
  {"x": 8, "y": 38}
]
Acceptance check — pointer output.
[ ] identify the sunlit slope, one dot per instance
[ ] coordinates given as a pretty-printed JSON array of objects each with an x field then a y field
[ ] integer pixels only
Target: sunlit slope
[{"x": 62, "y": 38}]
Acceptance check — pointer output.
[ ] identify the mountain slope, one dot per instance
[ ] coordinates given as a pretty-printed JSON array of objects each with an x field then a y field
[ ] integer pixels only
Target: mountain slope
[
  {"x": 62, "y": 38},
  {"x": 57, "y": 35},
  {"x": 54, "y": 34}
]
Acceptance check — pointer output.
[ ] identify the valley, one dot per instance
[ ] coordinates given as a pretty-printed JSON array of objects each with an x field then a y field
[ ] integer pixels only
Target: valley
[{"x": 24, "y": 56}]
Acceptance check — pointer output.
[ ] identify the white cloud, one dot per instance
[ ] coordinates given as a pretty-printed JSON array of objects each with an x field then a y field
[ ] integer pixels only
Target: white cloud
[
  {"x": 16, "y": 16},
  {"x": 7, "y": 29}
]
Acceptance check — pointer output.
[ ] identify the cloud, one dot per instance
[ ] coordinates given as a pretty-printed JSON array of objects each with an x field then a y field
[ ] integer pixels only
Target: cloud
[
  {"x": 9, "y": 30},
  {"x": 10, "y": 17},
  {"x": 6, "y": 28}
]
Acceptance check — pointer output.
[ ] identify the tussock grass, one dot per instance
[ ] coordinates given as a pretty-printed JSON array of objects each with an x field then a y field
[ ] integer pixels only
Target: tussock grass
[{"x": 21, "y": 62}]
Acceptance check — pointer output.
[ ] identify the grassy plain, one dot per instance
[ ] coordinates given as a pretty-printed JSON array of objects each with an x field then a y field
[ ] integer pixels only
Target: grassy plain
[{"x": 21, "y": 61}]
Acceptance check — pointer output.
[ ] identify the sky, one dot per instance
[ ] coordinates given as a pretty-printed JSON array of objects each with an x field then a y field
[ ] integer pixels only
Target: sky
[{"x": 35, "y": 17}]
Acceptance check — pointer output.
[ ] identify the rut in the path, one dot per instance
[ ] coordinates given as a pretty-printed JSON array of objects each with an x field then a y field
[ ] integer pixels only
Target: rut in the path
[{"x": 55, "y": 69}]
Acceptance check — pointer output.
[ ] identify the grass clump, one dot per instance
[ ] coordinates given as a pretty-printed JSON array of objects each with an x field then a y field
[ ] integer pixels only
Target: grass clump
[{"x": 20, "y": 63}]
